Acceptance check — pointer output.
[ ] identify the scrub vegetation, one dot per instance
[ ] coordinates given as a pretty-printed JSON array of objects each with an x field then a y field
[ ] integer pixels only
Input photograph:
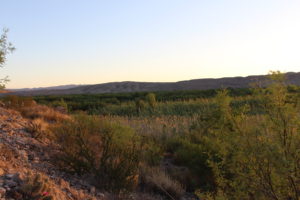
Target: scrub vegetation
[{"x": 216, "y": 144}]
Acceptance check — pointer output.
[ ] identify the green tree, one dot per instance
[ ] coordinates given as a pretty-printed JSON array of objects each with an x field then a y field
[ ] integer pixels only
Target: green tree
[{"x": 5, "y": 48}]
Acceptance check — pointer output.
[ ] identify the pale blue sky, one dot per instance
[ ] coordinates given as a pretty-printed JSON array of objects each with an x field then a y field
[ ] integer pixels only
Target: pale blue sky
[{"x": 93, "y": 41}]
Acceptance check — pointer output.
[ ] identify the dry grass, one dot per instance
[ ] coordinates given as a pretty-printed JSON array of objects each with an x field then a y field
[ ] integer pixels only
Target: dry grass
[
  {"x": 6, "y": 153},
  {"x": 43, "y": 112},
  {"x": 38, "y": 128},
  {"x": 157, "y": 180}
]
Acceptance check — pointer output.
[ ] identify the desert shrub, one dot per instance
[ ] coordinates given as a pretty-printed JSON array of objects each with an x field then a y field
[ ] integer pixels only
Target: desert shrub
[
  {"x": 194, "y": 157},
  {"x": 152, "y": 153},
  {"x": 156, "y": 180},
  {"x": 151, "y": 100},
  {"x": 33, "y": 187},
  {"x": 236, "y": 154},
  {"x": 258, "y": 155},
  {"x": 140, "y": 105},
  {"x": 37, "y": 128},
  {"x": 107, "y": 150},
  {"x": 61, "y": 106}
]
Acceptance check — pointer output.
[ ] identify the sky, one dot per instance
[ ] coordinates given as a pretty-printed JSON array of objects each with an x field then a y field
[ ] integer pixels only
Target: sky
[{"x": 61, "y": 42}]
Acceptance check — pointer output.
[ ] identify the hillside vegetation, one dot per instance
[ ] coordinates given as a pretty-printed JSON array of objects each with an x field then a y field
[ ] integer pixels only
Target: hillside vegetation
[{"x": 214, "y": 145}]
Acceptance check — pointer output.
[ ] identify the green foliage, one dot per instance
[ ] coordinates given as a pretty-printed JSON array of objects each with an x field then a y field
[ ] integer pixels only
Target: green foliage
[
  {"x": 107, "y": 150},
  {"x": 240, "y": 153},
  {"x": 151, "y": 99},
  {"x": 258, "y": 155},
  {"x": 194, "y": 156},
  {"x": 151, "y": 152},
  {"x": 5, "y": 48},
  {"x": 183, "y": 103},
  {"x": 61, "y": 103},
  {"x": 140, "y": 105}
]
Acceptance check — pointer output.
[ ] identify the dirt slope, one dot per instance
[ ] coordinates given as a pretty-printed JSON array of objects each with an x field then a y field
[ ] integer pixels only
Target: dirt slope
[{"x": 21, "y": 154}]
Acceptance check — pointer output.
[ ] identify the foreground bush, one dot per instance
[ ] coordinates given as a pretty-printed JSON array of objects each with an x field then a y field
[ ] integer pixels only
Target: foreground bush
[
  {"x": 38, "y": 128},
  {"x": 259, "y": 154},
  {"x": 90, "y": 145}
]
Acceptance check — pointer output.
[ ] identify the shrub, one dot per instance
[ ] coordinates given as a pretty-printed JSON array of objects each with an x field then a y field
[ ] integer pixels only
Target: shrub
[
  {"x": 33, "y": 187},
  {"x": 60, "y": 106},
  {"x": 151, "y": 100},
  {"x": 152, "y": 153},
  {"x": 37, "y": 128},
  {"x": 195, "y": 157},
  {"x": 258, "y": 155},
  {"x": 107, "y": 150}
]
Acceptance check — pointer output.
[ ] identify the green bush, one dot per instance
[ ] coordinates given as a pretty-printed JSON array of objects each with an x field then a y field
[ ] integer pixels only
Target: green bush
[
  {"x": 107, "y": 150},
  {"x": 194, "y": 157},
  {"x": 151, "y": 152},
  {"x": 259, "y": 154}
]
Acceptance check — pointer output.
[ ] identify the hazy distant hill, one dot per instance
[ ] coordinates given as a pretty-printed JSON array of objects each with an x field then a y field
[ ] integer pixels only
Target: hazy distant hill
[
  {"x": 60, "y": 87},
  {"x": 128, "y": 86}
]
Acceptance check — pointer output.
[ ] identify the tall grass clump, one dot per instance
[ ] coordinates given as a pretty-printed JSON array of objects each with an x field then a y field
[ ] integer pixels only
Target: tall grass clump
[{"x": 156, "y": 180}]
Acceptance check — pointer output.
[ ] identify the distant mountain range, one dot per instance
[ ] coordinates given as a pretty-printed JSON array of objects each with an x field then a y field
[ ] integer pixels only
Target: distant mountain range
[
  {"x": 130, "y": 86},
  {"x": 61, "y": 87}
]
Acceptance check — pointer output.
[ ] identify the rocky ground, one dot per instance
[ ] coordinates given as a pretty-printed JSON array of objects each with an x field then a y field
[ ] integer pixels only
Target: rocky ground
[{"x": 21, "y": 154}]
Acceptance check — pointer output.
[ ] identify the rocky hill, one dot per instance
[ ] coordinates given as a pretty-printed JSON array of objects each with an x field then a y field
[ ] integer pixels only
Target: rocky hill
[
  {"x": 24, "y": 164},
  {"x": 128, "y": 86}
]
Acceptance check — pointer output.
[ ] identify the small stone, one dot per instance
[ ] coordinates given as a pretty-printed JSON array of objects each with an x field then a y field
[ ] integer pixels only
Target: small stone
[
  {"x": 30, "y": 156},
  {"x": 1, "y": 172},
  {"x": 99, "y": 194},
  {"x": 16, "y": 177},
  {"x": 9, "y": 176},
  {"x": 46, "y": 157},
  {"x": 64, "y": 184},
  {"x": 92, "y": 190},
  {"x": 36, "y": 159},
  {"x": 23, "y": 155},
  {"x": 2, "y": 192},
  {"x": 10, "y": 183}
]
